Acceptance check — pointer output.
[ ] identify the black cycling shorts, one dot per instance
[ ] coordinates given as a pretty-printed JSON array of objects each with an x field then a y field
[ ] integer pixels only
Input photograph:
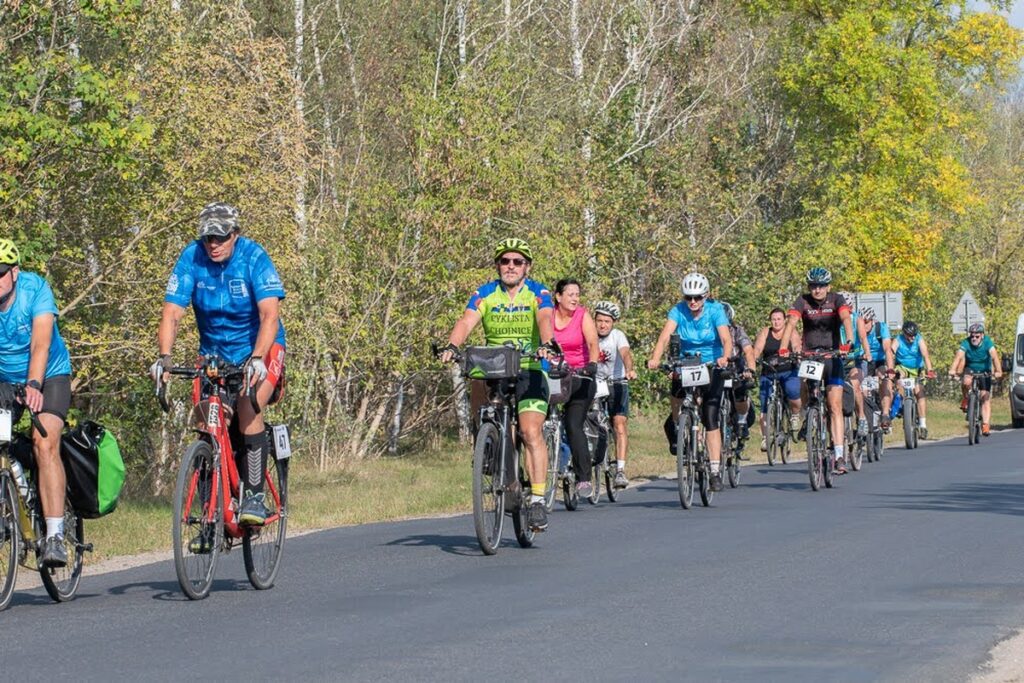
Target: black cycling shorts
[
  {"x": 711, "y": 398},
  {"x": 984, "y": 383},
  {"x": 56, "y": 397}
]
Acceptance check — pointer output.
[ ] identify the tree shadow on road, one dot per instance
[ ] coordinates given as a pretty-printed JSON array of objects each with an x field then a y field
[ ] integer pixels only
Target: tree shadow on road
[
  {"x": 455, "y": 545},
  {"x": 1003, "y": 499},
  {"x": 170, "y": 591},
  {"x": 780, "y": 486}
]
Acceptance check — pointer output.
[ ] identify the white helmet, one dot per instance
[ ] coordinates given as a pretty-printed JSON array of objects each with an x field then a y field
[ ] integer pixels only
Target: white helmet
[
  {"x": 608, "y": 308},
  {"x": 695, "y": 284}
]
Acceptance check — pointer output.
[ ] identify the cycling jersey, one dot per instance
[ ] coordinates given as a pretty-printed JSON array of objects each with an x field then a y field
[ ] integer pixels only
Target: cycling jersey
[
  {"x": 856, "y": 349},
  {"x": 977, "y": 358},
  {"x": 32, "y": 298},
  {"x": 511, "y": 320},
  {"x": 908, "y": 354},
  {"x": 571, "y": 339},
  {"x": 611, "y": 365},
  {"x": 700, "y": 335},
  {"x": 821, "y": 321},
  {"x": 225, "y": 297},
  {"x": 878, "y": 333}
]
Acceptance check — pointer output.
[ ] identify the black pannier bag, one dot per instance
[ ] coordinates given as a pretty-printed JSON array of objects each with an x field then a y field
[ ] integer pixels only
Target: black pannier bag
[{"x": 94, "y": 469}]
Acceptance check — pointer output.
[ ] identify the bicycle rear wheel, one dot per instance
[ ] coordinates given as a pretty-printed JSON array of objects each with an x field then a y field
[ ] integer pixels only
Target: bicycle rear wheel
[
  {"x": 879, "y": 449},
  {"x": 570, "y": 496},
  {"x": 262, "y": 546},
  {"x": 520, "y": 516},
  {"x": 9, "y": 539},
  {"x": 815, "y": 449},
  {"x": 488, "y": 496},
  {"x": 909, "y": 421},
  {"x": 973, "y": 428},
  {"x": 610, "y": 469},
  {"x": 771, "y": 439},
  {"x": 686, "y": 458},
  {"x": 62, "y": 582},
  {"x": 856, "y": 451},
  {"x": 197, "y": 542},
  {"x": 553, "y": 441}
]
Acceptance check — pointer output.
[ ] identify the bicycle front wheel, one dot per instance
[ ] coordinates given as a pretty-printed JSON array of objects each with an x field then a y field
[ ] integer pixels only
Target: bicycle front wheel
[
  {"x": 198, "y": 526},
  {"x": 909, "y": 422},
  {"x": 973, "y": 428},
  {"x": 610, "y": 468},
  {"x": 771, "y": 422},
  {"x": 686, "y": 458},
  {"x": 9, "y": 539},
  {"x": 553, "y": 441},
  {"x": 815, "y": 448},
  {"x": 262, "y": 546},
  {"x": 62, "y": 582},
  {"x": 488, "y": 496}
]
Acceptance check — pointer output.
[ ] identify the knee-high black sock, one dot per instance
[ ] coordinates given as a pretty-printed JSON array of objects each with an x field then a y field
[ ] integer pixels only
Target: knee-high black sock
[{"x": 254, "y": 463}]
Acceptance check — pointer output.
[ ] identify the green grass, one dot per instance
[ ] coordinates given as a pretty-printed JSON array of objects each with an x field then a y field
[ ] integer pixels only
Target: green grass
[{"x": 434, "y": 482}]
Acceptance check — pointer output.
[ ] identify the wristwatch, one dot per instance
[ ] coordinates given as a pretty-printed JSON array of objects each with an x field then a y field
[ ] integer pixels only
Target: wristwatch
[{"x": 34, "y": 383}]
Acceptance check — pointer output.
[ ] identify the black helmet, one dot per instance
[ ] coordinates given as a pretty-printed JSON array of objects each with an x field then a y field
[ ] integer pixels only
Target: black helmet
[{"x": 910, "y": 328}]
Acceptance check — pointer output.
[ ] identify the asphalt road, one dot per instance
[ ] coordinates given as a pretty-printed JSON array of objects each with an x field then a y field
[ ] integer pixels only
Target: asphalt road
[{"x": 910, "y": 570}]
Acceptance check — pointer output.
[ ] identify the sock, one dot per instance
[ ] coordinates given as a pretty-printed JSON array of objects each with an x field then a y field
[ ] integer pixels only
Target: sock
[
  {"x": 54, "y": 526},
  {"x": 538, "y": 491},
  {"x": 741, "y": 418},
  {"x": 254, "y": 463},
  {"x": 620, "y": 465},
  {"x": 839, "y": 452},
  {"x": 536, "y": 499},
  {"x": 924, "y": 423},
  {"x": 715, "y": 464}
]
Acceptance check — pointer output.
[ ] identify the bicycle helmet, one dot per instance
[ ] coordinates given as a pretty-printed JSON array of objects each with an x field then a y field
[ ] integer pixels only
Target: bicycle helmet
[
  {"x": 867, "y": 313},
  {"x": 730, "y": 312},
  {"x": 513, "y": 244},
  {"x": 819, "y": 276},
  {"x": 218, "y": 219},
  {"x": 608, "y": 308},
  {"x": 976, "y": 328},
  {"x": 695, "y": 284},
  {"x": 9, "y": 255},
  {"x": 910, "y": 328}
]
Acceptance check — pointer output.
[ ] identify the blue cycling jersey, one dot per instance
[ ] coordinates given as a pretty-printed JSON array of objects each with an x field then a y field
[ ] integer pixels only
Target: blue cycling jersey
[
  {"x": 32, "y": 298},
  {"x": 225, "y": 296},
  {"x": 878, "y": 333},
  {"x": 700, "y": 335},
  {"x": 909, "y": 354}
]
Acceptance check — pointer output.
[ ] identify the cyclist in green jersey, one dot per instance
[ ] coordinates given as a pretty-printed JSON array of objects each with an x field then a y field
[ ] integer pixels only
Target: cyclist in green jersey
[
  {"x": 515, "y": 309},
  {"x": 977, "y": 354}
]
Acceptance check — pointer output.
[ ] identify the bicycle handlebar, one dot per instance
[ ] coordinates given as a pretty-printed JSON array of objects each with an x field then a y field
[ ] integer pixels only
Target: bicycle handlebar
[
  {"x": 19, "y": 393},
  {"x": 226, "y": 372}
]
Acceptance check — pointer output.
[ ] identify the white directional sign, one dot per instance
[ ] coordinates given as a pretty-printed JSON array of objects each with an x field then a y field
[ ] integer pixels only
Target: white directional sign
[
  {"x": 888, "y": 306},
  {"x": 967, "y": 313}
]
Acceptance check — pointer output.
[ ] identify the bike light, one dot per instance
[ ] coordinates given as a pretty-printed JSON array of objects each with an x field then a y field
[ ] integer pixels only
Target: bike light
[{"x": 1019, "y": 379}]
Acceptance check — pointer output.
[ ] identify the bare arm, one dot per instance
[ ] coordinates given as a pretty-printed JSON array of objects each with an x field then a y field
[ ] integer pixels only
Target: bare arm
[
  {"x": 590, "y": 336},
  {"x": 997, "y": 362},
  {"x": 927, "y": 356},
  {"x": 791, "y": 321},
  {"x": 748, "y": 355},
  {"x": 546, "y": 325},
  {"x": 862, "y": 333},
  {"x": 847, "y": 320},
  {"x": 627, "y": 362},
  {"x": 170, "y": 317},
  {"x": 726, "y": 337},
  {"x": 270, "y": 315},
  {"x": 463, "y": 326},
  {"x": 890, "y": 358},
  {"x": 759, "y": 343},
  {"x": 958, "y": 362},
  {"x": 659, "y": 346},
  {"x": 39, "y": 354}
]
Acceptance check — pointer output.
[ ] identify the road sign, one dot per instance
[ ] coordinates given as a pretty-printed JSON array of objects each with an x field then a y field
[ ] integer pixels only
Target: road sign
[
  {"x": 888, "y": 306},
  {"x": 966, "y": 313}
]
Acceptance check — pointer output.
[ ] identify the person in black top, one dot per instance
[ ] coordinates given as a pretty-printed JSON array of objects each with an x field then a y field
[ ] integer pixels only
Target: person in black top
[{"x": 766, "y": 347}]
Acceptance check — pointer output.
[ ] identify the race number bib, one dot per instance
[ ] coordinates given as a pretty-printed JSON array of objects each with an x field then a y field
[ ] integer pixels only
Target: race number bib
[
  {"x": 727, "y": 383},
  {"x": 908, "y": 382},
  {"x": 6, "y": 420},
  {"x": 812, "y": 369},
  {"x": 602, "y": 389},
  {"x": 869, "y": 383},
  {"x": 282, "y": 442},
  {"x": 697, "y": 376}
]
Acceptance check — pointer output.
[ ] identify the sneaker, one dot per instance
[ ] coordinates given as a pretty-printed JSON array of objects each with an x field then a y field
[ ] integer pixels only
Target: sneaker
[
  {"x": 862, "y": 427},
  {"x": 716, "y": 481},
  {"x": 802, "y": 434},
  {"x": 794, "y": 423},
  {"x": 621, "y": 481},
  {"x": 584, "y": 489},
  {"x": 203, "y": 543},
  {"x": 253, "y": 511},
  {"x": 764, "y": 444},
  {"x": 963, "y": 405},
  {"x": 985, "y": 429},
  {"x": 54, "y": 552},
  {"x": 886, "y": 424},
  {"x": 537, "y": 517},
  {"x": 922, "y": 433},
  {"x": 840, "y": 467}
]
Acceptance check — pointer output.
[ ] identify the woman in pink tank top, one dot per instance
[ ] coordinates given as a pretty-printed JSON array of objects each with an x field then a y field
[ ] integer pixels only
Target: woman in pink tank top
[{"x": 576, "y": 333}]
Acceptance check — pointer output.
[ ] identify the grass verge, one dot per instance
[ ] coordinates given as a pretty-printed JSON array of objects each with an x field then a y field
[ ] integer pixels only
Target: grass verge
[{"x": 431, "y": 483}]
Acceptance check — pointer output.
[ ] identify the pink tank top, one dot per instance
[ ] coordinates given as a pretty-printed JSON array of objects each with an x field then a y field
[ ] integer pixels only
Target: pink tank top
[{"x": 570, "y": 338}]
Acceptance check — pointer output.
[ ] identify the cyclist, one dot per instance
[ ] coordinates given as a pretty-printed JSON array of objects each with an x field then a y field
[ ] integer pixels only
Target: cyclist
[
  {"x": 766, "y": 347},
  {"x": 879, "y": 359},
  {"x": 703, "y": 329},
  {"x": 743, "y": 360},
  {"x": 910, "y": 352},
  {"x": 823, "y": 313},
  {"x": 33, "y": 353},
  {"x": 236, "y": 294},
  {"x": 575, "y": 332},
  {"x": 514, "y": 308},
  {"x": 615, "y": 366},
  {"x": 976, "y": 354},
  {"x": 860, "y": 362}
]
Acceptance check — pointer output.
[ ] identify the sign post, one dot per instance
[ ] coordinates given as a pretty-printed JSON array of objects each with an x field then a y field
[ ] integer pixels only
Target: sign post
[
  {"x": 966, "y": 313},
  {"x": 888, "y": 306}
]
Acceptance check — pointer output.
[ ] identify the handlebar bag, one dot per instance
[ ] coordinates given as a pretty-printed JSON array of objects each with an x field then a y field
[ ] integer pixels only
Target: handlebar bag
[
  {"x": 94, "y": 469},
  {"x": 491, "y": 362}
]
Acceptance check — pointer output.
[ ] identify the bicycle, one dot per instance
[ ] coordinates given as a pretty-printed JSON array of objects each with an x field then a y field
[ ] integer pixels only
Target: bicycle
[
  {"x": 875, "y": 444},
  {"x": 500, "y": 482},
  {"x": 601, "y": 442},
  {"x": 207, "y": 494},
  {"x": 733, "y": 441},
  {"x": 974, "y": 408},
  {"x": 778, "y": 439},
  {"x": 22, "y": 523},
  {"x": 856, "y": 445},
  {"x": 911, "y": 412},
  {"x": 820, "y": 457},
  {"x": 554, "y": 431},
  {"x": 693, "y": 464}
]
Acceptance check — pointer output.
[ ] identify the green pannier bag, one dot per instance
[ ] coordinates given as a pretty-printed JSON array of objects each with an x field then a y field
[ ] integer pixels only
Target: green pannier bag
[{"x": 94, "y": 469}]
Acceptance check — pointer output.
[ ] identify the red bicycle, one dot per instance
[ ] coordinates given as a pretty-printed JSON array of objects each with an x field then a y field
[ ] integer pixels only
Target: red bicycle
[{"x": 207, "y": 493}]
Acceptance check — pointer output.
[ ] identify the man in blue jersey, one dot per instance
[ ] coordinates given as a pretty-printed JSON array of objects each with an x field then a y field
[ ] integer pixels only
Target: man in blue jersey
[
  {"x": 236, "y": 294},
  {"x": 911, "y": 358},
  {"x": 32, "y": 353}
]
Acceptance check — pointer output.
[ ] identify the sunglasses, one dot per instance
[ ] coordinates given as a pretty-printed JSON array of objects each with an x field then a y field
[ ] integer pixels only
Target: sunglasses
[
  {"x": 811, "y": 285},
  {"x": 517, "y": 262},
  {"x": 693, "y": 298},
  {"x": 216, "y": 239},
  {"x": 977, "y": 335}
]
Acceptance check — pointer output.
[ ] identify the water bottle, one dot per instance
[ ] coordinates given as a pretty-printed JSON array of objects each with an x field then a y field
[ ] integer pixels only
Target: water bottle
[
  {"x": 897, "y": 405},
  {"x": 20, "y": 480}
]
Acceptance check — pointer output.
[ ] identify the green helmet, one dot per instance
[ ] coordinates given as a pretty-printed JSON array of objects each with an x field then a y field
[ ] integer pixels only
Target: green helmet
[
  {"x": 513, "y": 244},
  {"x": 9, "y": 255}
]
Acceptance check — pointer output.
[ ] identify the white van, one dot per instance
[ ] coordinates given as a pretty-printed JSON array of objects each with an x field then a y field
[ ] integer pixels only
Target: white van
[{"x": 1017, "y": 377}]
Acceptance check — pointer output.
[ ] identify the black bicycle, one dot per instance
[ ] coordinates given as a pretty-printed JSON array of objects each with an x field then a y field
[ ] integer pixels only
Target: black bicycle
[
  {"x": 875, "y": 443},
  {"x": 601, "y": 442},
  {"x": 693, "y": 464},
  {"x": 777, "y": 437},
  {"x": 974, "y": 408},
  {"x": 820, "y": 458},
  {"x": 501, "y": 484},
  {"x": 733, "y": 441}
]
